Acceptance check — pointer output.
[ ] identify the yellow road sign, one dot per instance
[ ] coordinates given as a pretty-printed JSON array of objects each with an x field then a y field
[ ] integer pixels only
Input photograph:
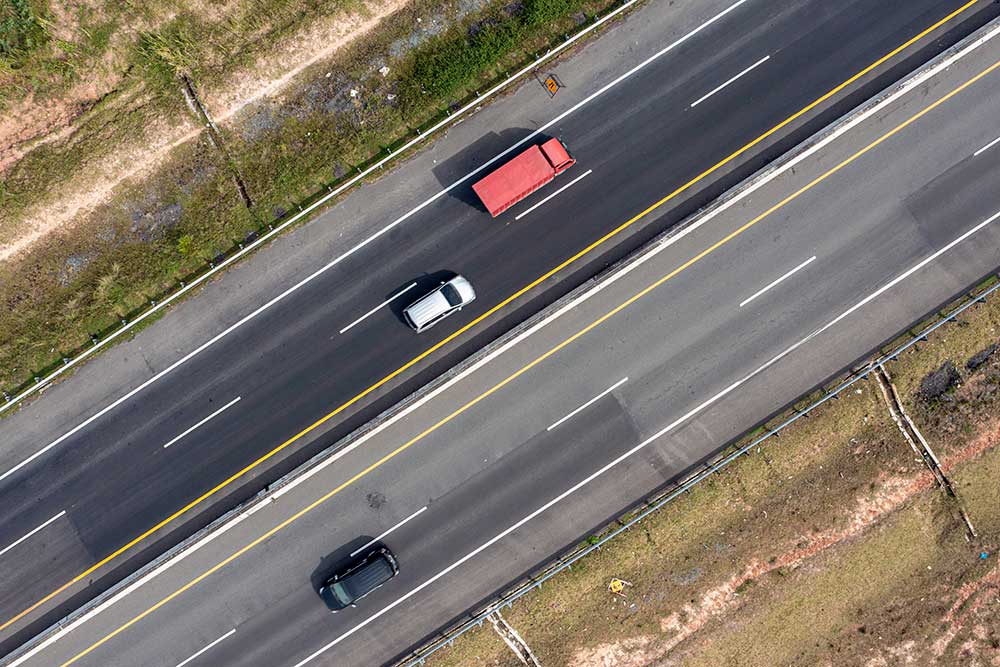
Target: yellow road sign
[{"x": 617, "y": 586}]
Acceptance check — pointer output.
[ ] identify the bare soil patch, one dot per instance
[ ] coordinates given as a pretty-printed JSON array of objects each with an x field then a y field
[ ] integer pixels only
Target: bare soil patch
[
  {"x": 125, "y": 197},
  {"x": 94, "y": 186},
  {"x": 272, "y": 74},
  {"x": 39, "y": 122}
]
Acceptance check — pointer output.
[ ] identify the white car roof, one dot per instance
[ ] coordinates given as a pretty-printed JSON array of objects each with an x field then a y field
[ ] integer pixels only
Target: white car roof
[{"x": 429, "y": 307}]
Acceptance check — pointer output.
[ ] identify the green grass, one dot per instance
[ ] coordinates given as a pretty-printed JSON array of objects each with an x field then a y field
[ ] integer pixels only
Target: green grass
[
  {"x": 977, "y": 485},
  {"x": 22, "y": 30},
  {"x": 48, "y": 316},
  {"x": 117, "y": 120},
  {"x": 312, "y": 147},
  {"x": 448, "y": 65},
  {"x": 140, "y": 250},
  {"x": 162, "y": 56}
]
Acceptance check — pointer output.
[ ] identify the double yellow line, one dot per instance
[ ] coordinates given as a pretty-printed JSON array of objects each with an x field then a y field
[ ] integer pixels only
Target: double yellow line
[{"x": 599, "y": 242}]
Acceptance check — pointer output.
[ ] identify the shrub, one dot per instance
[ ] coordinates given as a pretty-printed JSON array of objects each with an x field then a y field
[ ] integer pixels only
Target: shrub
[
  {"x": 937, "y": 383},
  {"x": 21, "y": 31},
  {"x": 162, "y": 56},
  {"x": 185, "y": 244}
]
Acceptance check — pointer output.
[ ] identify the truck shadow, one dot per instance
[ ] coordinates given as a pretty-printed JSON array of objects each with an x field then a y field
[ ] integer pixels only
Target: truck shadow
[
  {"x": 475, "y": 155},
  {"x": 337, "y": 560}
]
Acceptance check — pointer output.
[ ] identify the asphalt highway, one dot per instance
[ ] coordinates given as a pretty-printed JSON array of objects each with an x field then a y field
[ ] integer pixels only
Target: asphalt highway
[
  {"x": 636, "y": 381},
  {"x": 67, "y": 503}
]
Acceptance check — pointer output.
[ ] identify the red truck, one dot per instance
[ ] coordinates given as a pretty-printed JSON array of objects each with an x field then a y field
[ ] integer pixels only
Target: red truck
[{"x": 524, "y": 174}]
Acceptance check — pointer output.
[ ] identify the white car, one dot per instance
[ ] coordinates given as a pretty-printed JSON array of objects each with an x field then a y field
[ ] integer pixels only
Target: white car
[{"x": 431, "y": 308}]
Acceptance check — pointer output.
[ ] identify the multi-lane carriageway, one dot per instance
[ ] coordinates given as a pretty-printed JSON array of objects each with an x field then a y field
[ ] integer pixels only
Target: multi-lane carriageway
[
  {"x": 666, "y": 114},
  {"x": 527, "y": 449}
]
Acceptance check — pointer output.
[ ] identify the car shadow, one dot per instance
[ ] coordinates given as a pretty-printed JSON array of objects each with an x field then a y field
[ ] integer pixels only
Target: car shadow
[
  {"x": 474, "y": 155},
  {"x": 415, "y": 288},
  {"x": 338, "y": 560}
]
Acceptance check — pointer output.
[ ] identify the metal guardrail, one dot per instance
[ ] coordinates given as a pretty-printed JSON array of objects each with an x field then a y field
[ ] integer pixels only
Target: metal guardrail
[
  {"x": 222, "y": 261},
  {"x": 977, "y": 294}
]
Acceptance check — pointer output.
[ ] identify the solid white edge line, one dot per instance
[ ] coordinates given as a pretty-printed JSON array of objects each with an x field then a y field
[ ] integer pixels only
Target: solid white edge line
[
  {"x": 384, "y": 303},
  {"x": 578, "y": 178},
  {"x": 905, "y": 275},
  {"x": 386, "y": 533},
  {"x": 717, "y": 89},
  {"x": 645, "y": 443},
  {"x": 772, "y": 284},
  {"x": 205, "y": 420},
  {"x": 455, "y": 118},
  {"x": 225, "y": 636},
  {"x": 668, "y": 241},
  {"x": 33, "y": 531},
  {"x": 590, "y": 402},
  {"x": 348, "y": 253},
  {"x": 986, "y": 147},
  {"x": 120, "y": 595}
]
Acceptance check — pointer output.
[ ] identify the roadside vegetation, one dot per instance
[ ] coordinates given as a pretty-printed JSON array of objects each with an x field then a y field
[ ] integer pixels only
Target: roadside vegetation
[
  {"x": 830, "y": 545},
  {"x": 113, "y": 192}
]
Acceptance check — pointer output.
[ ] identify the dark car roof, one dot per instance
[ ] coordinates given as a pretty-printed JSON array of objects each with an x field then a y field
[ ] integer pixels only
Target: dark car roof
[{"x": 372, "y": 574}]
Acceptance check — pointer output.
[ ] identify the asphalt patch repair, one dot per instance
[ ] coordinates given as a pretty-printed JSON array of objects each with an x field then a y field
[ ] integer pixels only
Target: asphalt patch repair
[{"x": 829, "y": 546}]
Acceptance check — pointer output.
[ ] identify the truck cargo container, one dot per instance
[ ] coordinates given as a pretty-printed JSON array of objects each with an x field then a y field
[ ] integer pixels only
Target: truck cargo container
[{"x": 524, "y": 174}]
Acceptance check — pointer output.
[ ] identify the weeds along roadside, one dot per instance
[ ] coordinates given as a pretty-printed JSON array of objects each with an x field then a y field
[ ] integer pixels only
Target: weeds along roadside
[{"x": 155, "y": 232}]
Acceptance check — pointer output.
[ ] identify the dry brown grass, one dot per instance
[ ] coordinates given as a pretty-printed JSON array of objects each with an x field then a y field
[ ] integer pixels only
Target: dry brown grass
[
  {"x": 831, "y": 547},
  {"x": 122, "y": 173}
]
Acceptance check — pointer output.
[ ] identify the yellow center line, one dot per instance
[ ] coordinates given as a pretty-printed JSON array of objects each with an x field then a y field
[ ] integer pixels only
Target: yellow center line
[
  {"x": 229, "y": 480},
  {"x": 510, "y": 378}
]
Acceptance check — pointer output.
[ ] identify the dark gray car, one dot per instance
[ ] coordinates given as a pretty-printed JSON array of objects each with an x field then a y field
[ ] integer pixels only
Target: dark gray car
[{"x": 358, "y": 579}]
